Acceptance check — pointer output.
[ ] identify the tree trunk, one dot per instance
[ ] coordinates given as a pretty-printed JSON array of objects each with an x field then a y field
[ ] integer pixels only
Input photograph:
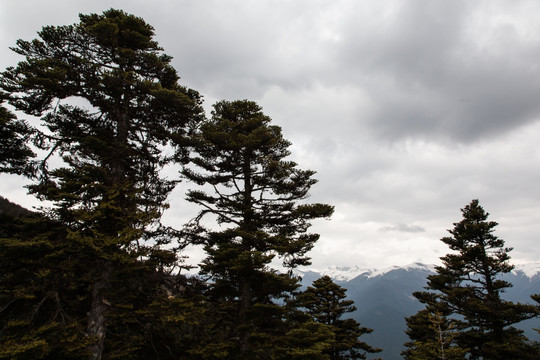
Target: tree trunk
[
  {"x": 245, "y": 285},
  {"x": 97, "y": 316},
  {"x": 97, "y": 324},
  {"x": 244, "y": 308}
]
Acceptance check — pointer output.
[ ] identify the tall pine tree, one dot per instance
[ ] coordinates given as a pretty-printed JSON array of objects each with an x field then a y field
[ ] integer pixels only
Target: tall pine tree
[
  {"x": 468, "y": 289},
  {"x": 256, "y": 196},
  {"x": 109, "y": 101}
]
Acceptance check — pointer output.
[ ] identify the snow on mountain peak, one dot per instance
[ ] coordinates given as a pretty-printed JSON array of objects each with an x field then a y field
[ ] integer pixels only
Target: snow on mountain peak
[
  {"x": 347, "y": 273},
  {"x": 530, "y": 270},
  {"x": 409, "y": 267},
  {"x": 343, "y": 273}
]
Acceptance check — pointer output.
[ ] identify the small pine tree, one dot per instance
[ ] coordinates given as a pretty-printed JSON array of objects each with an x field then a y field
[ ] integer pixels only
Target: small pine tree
[
  {"x": 468, "y": 289},
  {"x": 435, "y": 335},
  {"x": 326, "y": 303}
]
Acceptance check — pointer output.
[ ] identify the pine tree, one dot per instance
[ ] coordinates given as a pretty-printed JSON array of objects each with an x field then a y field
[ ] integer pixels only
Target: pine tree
[
  {"x": 435, "y": 337},
  {"x": 468, "y": 289},
  {"x": 110, "y": 101},
  {"x": 326, "y": 302},
  {"x": 256, "y": 199}
]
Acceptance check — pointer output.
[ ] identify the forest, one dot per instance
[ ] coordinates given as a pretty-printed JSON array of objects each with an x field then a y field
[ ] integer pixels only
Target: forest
[{"x": 97, "y": 275}]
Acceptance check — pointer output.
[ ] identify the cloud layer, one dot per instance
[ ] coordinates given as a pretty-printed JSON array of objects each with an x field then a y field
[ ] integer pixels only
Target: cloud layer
[{"x": 407, "y": 110}]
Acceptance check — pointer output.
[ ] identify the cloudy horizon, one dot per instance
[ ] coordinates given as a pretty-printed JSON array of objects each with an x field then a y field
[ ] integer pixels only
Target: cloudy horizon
[{"x": 407, "y": 110}]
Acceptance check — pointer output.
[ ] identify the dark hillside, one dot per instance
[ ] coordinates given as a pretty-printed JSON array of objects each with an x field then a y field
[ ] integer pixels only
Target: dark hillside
[{"x": 11, "y": 209}]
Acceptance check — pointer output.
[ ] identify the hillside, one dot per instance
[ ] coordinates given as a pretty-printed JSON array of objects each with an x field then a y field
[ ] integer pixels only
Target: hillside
[{"x": 11, "y": 209}]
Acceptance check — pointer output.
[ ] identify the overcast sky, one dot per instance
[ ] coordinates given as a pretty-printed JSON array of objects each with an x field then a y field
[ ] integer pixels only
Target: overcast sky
[{"x": 407, "y": 110}]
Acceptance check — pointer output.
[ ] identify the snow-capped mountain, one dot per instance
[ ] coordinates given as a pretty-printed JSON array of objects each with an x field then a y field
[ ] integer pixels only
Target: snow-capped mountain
[
  {"x": 347, "y": 273},
  {"x": 529, "y": 270},
  {"x": 383, "y": 298}
]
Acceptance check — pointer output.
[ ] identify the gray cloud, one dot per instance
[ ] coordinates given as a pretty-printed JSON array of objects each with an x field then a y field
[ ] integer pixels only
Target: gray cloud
[
  {"x": 439, "y": 70},
  {"x": 403, "y": 228},
  {"x": 406, "y": 110}
]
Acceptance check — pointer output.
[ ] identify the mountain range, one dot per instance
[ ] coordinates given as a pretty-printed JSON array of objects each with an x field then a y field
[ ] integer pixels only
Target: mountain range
[{"x": 384, "y": 298}]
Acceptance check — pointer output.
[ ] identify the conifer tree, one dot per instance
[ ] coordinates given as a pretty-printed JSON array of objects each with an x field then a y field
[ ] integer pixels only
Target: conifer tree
[
  {"x": 326, "y": 302},
  {"x": 109, "y": 101},
  {"x": 468, "y": 289},
  {"x": 256, "y": 196},
  {"x": 435, "y": 337}
]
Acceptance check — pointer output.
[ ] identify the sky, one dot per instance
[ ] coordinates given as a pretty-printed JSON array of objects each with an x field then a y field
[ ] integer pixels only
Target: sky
[{"x": 407, "y": 110}]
